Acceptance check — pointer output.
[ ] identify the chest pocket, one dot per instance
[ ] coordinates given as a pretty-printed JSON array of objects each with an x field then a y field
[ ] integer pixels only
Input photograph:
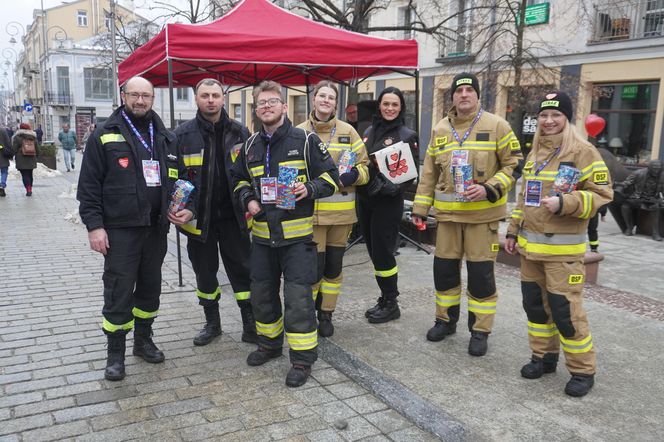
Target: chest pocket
[
  {"x": 480, "y": 164},
  {"x": 255, "y": 164},
  {"x": 444, "y": 163}
]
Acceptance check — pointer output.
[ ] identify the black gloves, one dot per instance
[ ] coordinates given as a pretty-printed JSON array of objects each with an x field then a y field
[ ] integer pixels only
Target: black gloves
[{"x": 349, "y": 178}]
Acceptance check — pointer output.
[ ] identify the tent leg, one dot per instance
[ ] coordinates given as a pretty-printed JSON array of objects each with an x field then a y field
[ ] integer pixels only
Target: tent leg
[{"x": 172, "y": 106}]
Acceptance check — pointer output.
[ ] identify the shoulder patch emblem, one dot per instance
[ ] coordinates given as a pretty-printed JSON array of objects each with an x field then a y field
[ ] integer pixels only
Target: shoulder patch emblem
[
  {"x": 528, "y": 165},
  {"x": 601, "y": 178},
  {"x": 322, "y": 148},
  {"x": 515, "y": 145},
  {"x": 440, "y": 141},
  {"x": 575, "y": 279}
]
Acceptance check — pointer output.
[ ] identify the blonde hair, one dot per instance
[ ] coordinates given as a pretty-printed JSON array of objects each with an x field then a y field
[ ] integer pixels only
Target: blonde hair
[
  {"x": 268, "y": 86},
  {"x": 571, "y": 136}
]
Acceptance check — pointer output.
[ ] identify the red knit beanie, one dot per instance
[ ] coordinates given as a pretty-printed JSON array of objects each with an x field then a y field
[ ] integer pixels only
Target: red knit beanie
[{"x": 25, "y": 126}]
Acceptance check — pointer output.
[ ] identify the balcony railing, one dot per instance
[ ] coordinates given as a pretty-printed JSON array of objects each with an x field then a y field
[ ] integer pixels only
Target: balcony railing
[
  {"x": 455, "y": 50},
  {"x": 617, "y": 20},
  {"x": 58, "y": 99}
]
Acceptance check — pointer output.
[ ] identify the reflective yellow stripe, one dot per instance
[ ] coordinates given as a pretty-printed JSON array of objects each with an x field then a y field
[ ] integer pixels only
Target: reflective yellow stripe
[
  {"x": 257, "y": 171},
  {"x": 386, "y": 273},
  {"x": 242, "y": 184},
  {"x": 326, "y": 176},
  {"x": 330, "y": 288},
  {"x": 113, "y": 327},
  {"x": 447, "y": 300},
  {"x": 507, "y": 139},
  {"x": 473, "y": 205},
  {"x": 504, "y": 180},
  {"x": 242, "y": 296},
  {"x": 194, "y": 159},
  {"x": 260, "y": 229},
  {"x": 542, "y": 176},
  {"x": 582, "y": 346},
  {"x": 552, "y": 249},
  {"x": 191, "y": 227},
  {"x": 314, "y": 293},
  {"x": 485, "y": 308},
  {"x": 335, "y": 206},
  {"x": 300, "y": 164},
  {"x": 542, "y": 330},
  {"x": 357, "y": 146},
  {"x": 209, "y": 296},
  {"x": 587, "y": 199},
  {"x": 488, "y": 146},
  {"x": 423, "y": 199},
  {"x": 111, "y": 138},
  {"x": 302, "y": 341},
  {"x": 298, "y": 227},
  {"x": 138, "y": 313},
  {"x": 272, "y": 330},
  {"x": 517, "y": 214},
  {"x": 597, "y": 166}
]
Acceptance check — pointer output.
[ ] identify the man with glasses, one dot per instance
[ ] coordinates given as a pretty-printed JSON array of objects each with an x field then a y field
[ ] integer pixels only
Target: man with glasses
[
  {"x": 282, "y": 237},
  {"x": 209, "y": 145},
  {"x": 126, "y": 178}
]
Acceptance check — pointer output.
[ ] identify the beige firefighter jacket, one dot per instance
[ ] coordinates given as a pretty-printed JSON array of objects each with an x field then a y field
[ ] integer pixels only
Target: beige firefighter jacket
[
  {"x": 545, "y": 236},
  {"x": 339, "y": 209},
  {"x": 493, "y": 151}
]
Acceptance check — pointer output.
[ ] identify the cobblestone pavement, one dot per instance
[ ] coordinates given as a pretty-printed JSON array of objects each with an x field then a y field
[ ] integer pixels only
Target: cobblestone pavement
[{"x": 52, "y": 353}]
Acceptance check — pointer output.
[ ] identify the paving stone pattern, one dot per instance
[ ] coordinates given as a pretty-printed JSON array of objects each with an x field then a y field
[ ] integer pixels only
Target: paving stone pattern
[{"x": 52, "y": 353}]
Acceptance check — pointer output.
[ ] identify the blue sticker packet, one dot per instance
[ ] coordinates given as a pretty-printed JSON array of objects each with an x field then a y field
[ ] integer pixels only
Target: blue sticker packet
[{"x": 285, "y": 181}]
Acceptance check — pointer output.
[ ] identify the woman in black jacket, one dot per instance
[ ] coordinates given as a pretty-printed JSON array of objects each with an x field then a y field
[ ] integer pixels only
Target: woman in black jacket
[{"x": 380, "y": 202}]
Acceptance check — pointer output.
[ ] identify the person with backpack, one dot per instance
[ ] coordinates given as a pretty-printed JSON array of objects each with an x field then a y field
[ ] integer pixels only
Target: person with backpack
[
  {"x": 6, "y": 153},
  {"x": 24, "y": 143}
]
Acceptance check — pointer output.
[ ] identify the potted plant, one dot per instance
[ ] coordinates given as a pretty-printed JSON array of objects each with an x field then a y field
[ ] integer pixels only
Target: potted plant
[{"x": 48, "y": 154}]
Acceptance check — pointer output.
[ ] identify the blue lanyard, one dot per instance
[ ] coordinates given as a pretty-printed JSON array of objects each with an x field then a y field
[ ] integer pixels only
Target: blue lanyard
[
  {"x": 268, "y": 156},
  {"x": 138, "y": 134},
  {"x": 547, "y": 161},
  {"x": 470, "y": 129},
  {"x": 334, "y": 130}
]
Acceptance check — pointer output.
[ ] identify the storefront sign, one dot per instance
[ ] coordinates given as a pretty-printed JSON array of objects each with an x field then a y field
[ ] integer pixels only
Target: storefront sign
[
  {"x": 629, "y": 91},
  {"x": 529, "y": 124}
]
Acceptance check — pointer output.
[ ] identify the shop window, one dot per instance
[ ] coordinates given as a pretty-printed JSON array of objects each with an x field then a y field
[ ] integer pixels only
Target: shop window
[
  {"x": 629, "y": 110},
  {"x": 409, "y": 97},
  {"x": 299, "y": 109},
  {"x": 237, "y": 112}
]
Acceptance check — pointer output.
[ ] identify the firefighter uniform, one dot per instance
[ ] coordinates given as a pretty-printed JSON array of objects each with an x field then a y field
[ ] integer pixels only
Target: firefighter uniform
[
  {"x": 467, "y": 228},
  {"x": 552, "y": 247},
  {"x": 335, "y": 215},
  {"x": 282, "y": 239},
  {"x": 219, "y": 226}
]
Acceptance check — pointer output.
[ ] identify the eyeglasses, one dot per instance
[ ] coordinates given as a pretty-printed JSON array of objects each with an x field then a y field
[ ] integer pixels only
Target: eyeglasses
[
  {"x": 136, "y": 96},
  {"x": 270, "y": 102}
]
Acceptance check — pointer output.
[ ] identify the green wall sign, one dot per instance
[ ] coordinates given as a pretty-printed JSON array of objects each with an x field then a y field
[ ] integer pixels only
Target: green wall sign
[
  {"x": 629, "y": 91},
  {"x": 537, "y": 14}
]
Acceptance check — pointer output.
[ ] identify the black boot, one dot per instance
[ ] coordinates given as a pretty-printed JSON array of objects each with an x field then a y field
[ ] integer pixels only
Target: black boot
[
  {"x": 580, "y": 384},
  {"x": 380, "y": 302},
  {"x": 539, "y": 366},
  {"x": 298, "y": 375},
  {"x": 387, "y": 312},
  {"x": 261, "y": 355},
  {"x": 143, "y": 345},
  {"x": 115, "y": 366},
  {"x": 478, "y": 344},
  {"x": 212, "y": 327},
  {"x": 626, "y": 211},
  {"x": 440, "y": 329},
  {"x": 248, "y": 322},
  {"x": 325, "y": 326}
]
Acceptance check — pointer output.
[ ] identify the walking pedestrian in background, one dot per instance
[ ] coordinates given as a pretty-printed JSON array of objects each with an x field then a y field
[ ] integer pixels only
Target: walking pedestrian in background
[
  {"x": 67, "y": 139},
  {"x": 26, "y": 148}
]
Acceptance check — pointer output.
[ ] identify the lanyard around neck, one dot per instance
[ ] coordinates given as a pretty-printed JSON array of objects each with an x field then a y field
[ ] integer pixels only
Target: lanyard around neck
[
  {"x": 547, "y": 161},
  {"x": 149, "y": 147},
  {"x": 470, "y": 129},
  {"x": 332, "y": 132}
]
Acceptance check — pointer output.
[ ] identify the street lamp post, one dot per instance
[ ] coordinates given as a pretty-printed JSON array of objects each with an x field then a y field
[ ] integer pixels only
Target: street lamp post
[{"x": 60, "y": 35}]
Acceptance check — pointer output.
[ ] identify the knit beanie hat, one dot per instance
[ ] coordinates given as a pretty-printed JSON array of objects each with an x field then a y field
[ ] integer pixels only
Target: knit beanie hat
[
  {"x": 24, "y": 126},
  {"x": 559, "y": 101},
  {"x": 465, "y": 78}
]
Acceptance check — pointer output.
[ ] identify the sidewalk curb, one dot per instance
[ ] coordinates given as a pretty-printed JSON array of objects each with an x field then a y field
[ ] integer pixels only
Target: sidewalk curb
[{"x": 411, "y": 406}]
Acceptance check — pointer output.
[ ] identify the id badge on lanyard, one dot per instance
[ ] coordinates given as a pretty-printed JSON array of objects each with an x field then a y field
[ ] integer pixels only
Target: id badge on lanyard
[
  {"x": 151, "y": 173},
  {"x": 269, "y": 190},
  {"x": 533, "y": 193}
]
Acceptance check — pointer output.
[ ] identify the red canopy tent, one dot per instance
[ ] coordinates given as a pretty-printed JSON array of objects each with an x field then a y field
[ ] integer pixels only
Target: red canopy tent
[{"x": 258, "y": 41}]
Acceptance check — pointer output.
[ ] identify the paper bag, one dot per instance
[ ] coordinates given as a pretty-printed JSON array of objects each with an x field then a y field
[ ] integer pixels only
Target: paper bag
[{"x": 396, "y": 162}]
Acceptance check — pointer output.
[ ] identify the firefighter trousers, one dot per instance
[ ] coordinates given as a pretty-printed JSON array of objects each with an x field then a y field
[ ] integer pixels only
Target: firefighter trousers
[
  {"x": 331, "y": 245},
  {"x": 379, "y": 218},
  {"x": 552, "y": 299},
  {"x": 479, "y": 244},
  {"x": 226, "y": 239},
  {"x": 297, "y": 263},
  {"x": 132, "y": 276}
]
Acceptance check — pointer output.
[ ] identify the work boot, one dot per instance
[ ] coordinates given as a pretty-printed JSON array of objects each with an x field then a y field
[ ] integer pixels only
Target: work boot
[
  {"x": 115, "y": 356},
  {"x": 261, "y": 355},
  {"x": 478, "y": 344},
  {"x": 580, "y": 384},
  {"x": 298, "y": 375},
  {"x": 212, "y": 327},
  {"x": 539, "y": 366},
  {"x": 248, "y": 322},
  {"x": 380, "y": 302},
  {"x": 440, "y": 329},
  {"x": 325, "y": 327},
  {"x": 387, "y": 312},
  {"x": 144, "y": 347}
]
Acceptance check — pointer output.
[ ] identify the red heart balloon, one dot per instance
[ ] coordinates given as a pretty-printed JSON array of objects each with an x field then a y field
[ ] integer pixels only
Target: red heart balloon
[{"x": 594, "y": 124}]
